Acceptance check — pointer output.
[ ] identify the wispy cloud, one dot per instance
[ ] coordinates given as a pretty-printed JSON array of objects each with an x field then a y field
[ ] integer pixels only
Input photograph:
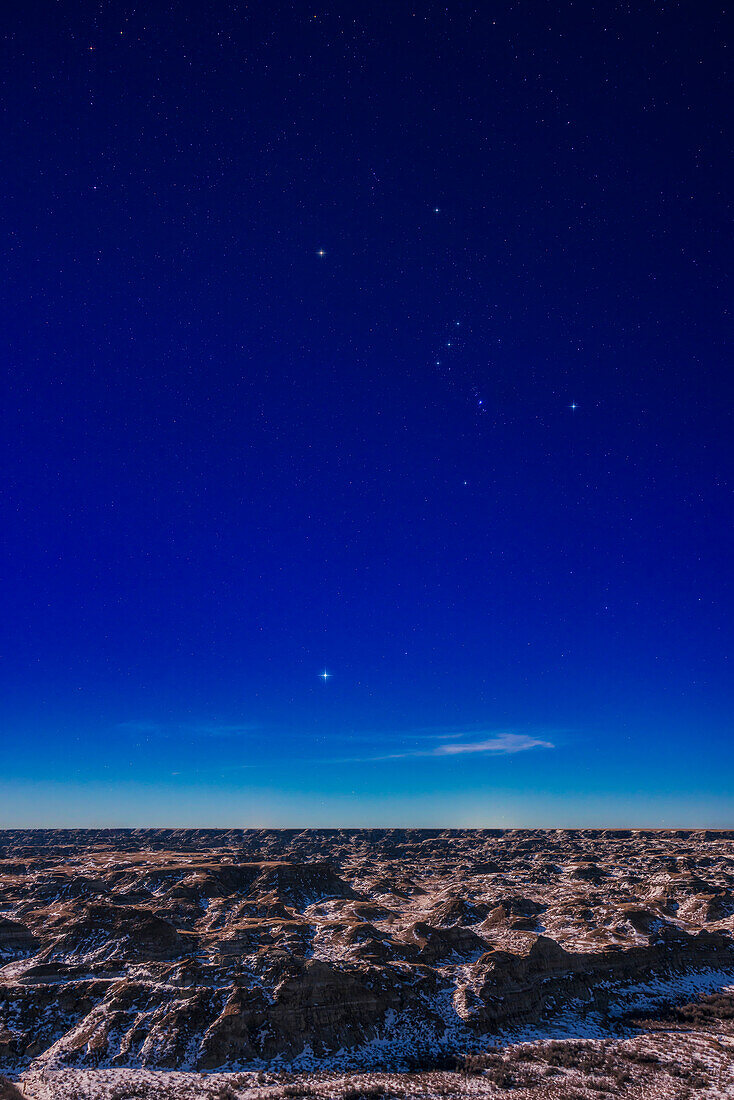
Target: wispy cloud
[
  {"x": 141, "y": 726},
  {"x": 496, "y": 744},
  {"x": 376, "y": 746},
  {"x": 501, "y": 743},
  {"x": 220, "y": 729},
  {"x": 145, "y": 728}
]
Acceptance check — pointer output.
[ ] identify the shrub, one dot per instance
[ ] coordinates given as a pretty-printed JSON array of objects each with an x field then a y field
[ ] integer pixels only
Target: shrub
[
  {"x": 642, "y": 1057},
  {"x": 425, "y": 1061},
  {"x": 474, "y": 1064},
  {"x": 9, "y": 1091},
  {"x": 369, "y": 1092}
]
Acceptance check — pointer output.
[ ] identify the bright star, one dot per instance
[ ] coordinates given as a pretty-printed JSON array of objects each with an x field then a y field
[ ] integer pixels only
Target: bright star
[
  {"x": 573, "y": 406},
  {"x": 325, "y": 675},
  {"x": 321, "y": 252},
  {"x": 437, "y": 210}
]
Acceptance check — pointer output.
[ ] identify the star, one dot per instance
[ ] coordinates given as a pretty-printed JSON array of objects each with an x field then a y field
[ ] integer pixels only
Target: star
[
  {"x": 321, "y": 252},
  {"x": 573, "y": 406},
  {"x": 324, "y": 675}
]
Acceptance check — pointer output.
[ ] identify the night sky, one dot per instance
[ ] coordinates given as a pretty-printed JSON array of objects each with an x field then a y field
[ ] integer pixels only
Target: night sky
[{"x": 384, "y": 343}]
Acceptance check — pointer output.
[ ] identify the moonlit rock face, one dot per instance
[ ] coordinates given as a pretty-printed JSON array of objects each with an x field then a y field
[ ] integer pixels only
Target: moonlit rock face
[{"x": 243, "y": 948}]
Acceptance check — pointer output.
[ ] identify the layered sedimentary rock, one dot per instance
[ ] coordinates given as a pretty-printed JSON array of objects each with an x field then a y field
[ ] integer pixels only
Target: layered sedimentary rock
[{"x": 209, "y": 949}]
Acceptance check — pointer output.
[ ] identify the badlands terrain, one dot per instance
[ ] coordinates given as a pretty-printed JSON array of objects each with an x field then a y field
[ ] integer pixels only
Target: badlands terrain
[{"x": 366, "y": 963}]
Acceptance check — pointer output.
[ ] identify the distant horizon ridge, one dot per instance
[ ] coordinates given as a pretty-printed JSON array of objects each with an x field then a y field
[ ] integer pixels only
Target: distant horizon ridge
[{"x": 365, "y": 828}]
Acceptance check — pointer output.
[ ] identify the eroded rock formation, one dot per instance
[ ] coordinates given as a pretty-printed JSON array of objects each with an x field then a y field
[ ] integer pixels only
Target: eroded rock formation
[{"x": 209, "y": 949}]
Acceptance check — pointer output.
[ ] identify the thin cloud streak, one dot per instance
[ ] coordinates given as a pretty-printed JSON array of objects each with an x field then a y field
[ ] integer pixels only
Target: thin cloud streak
[
  {"x": 187, "y": 729},
  {"x": 451, "y": 742},
  {"x": 500, "y": 744},
  {"x": 503, "y": 743}
]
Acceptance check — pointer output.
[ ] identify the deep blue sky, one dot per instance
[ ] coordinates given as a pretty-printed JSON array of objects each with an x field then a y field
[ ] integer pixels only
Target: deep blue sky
[{"x": 230, "y": 462}]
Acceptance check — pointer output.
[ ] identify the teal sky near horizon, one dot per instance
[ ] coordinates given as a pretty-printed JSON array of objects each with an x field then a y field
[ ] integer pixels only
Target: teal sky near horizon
[
  {"x": 366, "y": 448},
  {"x": 204, "y": 774}
]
